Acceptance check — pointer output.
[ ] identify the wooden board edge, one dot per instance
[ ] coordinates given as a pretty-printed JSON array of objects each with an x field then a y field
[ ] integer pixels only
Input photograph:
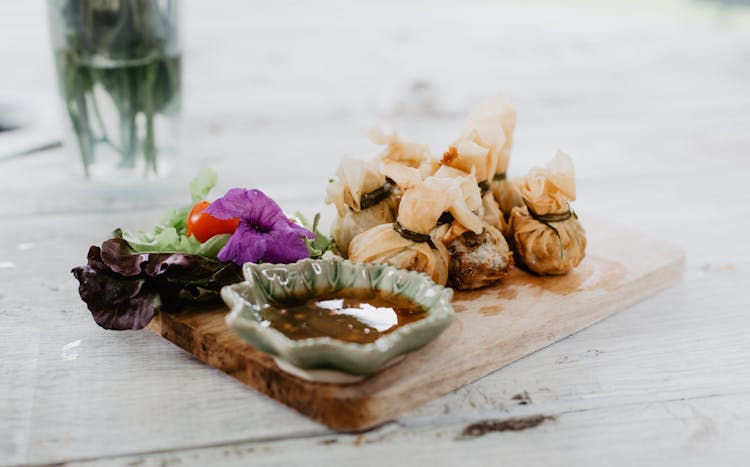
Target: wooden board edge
[
  {"x": 384, "y": 410},
  {"x": 265, "y": 377},
  {"x": 351, "y": 412}
]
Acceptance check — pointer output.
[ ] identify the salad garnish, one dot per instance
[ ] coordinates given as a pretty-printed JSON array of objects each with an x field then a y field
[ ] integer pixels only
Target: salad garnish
[{"x": 194, "y": 252}]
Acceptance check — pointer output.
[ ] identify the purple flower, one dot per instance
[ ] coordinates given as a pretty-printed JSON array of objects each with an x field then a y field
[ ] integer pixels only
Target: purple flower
[{"x": 264, "y": 232}]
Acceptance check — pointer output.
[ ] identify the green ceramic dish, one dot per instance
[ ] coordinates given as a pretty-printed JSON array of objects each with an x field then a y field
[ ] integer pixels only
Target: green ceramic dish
[{"x": 273, "y": 283}]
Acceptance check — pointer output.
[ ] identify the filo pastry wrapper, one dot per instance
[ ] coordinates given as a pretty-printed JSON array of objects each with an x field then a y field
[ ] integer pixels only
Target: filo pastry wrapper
[
  {"x": 359, "y": 184},
  {"x": 476, "y": 152},
  {"x": 546, "y": 235},
  {"x": 405, "y": 162},
  {"x": 470, "y": 195},
  {"x": 415, "y": 248},
  {"x": 476, "y": 260},
  {"x": 486, "y": 118},
  {"x": 397, "y": 149}
]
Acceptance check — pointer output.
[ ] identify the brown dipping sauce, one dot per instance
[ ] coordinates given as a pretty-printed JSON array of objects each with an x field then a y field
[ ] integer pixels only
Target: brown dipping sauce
[{"x": 359, "y": 320}]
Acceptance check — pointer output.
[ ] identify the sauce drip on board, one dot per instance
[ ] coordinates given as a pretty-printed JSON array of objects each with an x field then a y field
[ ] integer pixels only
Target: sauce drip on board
[{"x": 359, "y": 320}]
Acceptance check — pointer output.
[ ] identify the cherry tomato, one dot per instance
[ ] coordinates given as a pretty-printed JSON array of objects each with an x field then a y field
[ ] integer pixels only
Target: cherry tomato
[{"x": 203, "y": 225}]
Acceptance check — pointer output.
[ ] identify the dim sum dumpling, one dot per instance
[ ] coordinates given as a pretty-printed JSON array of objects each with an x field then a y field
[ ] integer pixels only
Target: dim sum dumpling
[
  {"x": 467, "y": 183},
  {"x": 363, "y": 197},
  {"x": 382, "y": 244},
  {"x": 486, "y": 139},
  {"x": 488, "y": 209},
  {"x": 506, "y": 195},
  {"x": 405, "y": 162},
  {"x": 549, "y": 189},
  {"x": 422, "y": 206},
  {"x": 355, "y": 178},
  {"x": 478, "y": 150},
  {"x": 492, "y": 214},
  {"x": 348, "y": 226},
  {"x": 486, "y": 120},
  {"x": 468, "y": 156},
  {"x": 410, "y": 242},
  {"x": 545, "y": 233},
  {"x": 477, "y": 260}
]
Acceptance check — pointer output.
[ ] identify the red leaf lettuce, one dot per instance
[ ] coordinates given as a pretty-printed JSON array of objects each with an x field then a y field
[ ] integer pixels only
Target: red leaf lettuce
[{"x": 124, "y": 289}]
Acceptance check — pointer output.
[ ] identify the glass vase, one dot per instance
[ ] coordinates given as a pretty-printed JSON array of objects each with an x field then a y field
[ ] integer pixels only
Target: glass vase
[{"x": 119, "y": 67}]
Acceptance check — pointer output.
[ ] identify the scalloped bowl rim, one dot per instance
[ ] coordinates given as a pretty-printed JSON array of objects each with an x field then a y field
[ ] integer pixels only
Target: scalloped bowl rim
[{"x": 439, "y": 316}]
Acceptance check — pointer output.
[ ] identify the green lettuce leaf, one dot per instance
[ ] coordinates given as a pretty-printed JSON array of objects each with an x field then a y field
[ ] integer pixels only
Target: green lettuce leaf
[
  {"x": 170, "y": 236},
  {"x": 202, "y": 184},
  {"x": 200, "y": 187},
  {"x": 168, "y": 240},
  {"x": 176, "y": 218}
]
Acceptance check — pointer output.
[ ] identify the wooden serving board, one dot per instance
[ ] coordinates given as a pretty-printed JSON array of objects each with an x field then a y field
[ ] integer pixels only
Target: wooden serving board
[{"x": 493, "y": 327}]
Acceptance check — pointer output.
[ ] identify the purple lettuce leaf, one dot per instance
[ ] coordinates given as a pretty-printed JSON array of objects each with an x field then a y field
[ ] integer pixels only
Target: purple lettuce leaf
[{"x": 125, "y": 290}]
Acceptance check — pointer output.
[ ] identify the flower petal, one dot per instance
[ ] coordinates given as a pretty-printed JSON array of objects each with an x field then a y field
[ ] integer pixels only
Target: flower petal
[
  {"x": 246, "y": 245},
  {"x": 252, "y": 206},
  {"x": 285, "y": 246},
  {"x": 298, "y": 229},
  {"x": 264, "y": 232}
]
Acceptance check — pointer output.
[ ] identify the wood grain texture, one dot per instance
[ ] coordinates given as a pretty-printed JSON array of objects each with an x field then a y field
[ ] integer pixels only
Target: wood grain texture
[
  {"x": 687, "y": 433},
  {"x": 687, "y": 342},
  {"x": 653, "y": 108},
  {"x": 494, "y": 326}
]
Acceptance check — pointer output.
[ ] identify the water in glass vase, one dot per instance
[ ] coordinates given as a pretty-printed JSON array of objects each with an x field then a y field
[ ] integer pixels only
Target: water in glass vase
[{"x": 122, "y": 113}]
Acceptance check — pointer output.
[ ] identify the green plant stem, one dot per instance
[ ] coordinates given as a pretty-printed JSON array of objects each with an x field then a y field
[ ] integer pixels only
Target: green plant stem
[
  {"x": 149, "y": 146},
  {"x": 82, "y": 144},
  {"x": 128, "y": 116},
  {"x": 105, "y": 138}
]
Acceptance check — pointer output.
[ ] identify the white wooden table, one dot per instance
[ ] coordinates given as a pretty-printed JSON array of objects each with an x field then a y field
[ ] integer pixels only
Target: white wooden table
[{"x": 653, "y": 106}]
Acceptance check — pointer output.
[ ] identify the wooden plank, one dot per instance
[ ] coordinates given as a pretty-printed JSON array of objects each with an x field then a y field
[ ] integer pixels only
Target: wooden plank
[
  {"x": 494, "y": 327},
  {"x": 693, "y": 432},
  {"x": 687, "y": 342}
]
